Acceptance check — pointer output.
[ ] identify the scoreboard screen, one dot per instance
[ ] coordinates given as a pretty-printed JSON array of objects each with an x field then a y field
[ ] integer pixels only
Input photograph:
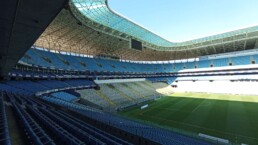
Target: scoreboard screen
[{"x": 135, "y": 44}]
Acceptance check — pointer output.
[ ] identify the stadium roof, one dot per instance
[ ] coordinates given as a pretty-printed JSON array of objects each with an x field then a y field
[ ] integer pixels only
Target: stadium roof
[
  {"x": 90, "y": 27},
  {"x": 98, "y": 11}
]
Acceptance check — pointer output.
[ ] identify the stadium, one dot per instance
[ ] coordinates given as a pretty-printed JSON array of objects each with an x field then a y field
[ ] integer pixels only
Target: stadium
[{"x": 75, "y": 72}]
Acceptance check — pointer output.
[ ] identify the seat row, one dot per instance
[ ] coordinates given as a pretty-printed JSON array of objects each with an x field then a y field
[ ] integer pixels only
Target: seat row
[
  {"x": 34, "y": 131},
  {"x": 48, "y": 59},
  {"x": 4, "y": 131},
  {"x": 47, "y": 126},
  {"x": 32, "y": 87},
  {"x": 152, "y": 133}
]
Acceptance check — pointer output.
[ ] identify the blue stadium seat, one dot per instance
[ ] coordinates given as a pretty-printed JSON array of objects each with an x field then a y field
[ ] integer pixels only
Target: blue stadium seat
[
  {"x": 152, "y": 133},
  {"x": 168, "y": 80},
  {"x": 221, "y": 62},
  {"x": 4, "y": 131},
  {"x": 68, "y": 62},
  {"x": 64, "y": 96},
  {"x": 37, "y": 135},
  {"x": 241, "y": 60},
  {"x": 103, "y": 136},
  {"x": 63, "y": 135}
]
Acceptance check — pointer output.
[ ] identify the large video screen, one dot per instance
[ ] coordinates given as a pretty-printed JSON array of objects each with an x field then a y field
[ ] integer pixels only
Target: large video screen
[{"x": 136, "y": 44}]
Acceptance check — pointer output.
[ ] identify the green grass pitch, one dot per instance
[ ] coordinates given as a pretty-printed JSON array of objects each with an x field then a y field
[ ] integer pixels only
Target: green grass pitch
[{"x": 231, "y": 117}]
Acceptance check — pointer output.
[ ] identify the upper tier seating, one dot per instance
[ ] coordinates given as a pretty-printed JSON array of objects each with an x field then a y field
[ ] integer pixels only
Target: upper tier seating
[
  {"x": 241, "y": 60},
  {"x": 68, "y": 62}
]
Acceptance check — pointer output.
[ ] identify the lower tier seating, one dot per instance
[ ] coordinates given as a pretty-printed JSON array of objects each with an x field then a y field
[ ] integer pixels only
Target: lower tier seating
[
  {"x": 52, "y": 119},
  {"x": 4, "y": 131},
  {"x": 32, "y": 87},
  {"x": 121, "y": 95},
  {"x": 152, "y": 133},
  {"x": 64, "y": 96}
]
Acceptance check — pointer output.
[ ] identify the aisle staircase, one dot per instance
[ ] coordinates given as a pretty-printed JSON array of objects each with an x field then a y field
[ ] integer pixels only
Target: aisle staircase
[
  {"x": 106, "y": 98},
  {"x": 121, "y": 93},
  {"x": 129, "y": 87}
]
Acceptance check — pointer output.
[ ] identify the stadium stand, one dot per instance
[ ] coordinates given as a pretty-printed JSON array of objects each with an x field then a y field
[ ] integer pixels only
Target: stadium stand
[
  {"x": 39, "y": 116},
  {"x": 74, "y": 131},
  {"x": 93, "y": 97},
  {"x": 4, "y": 131},
  {"x": 126, "y": 90},
  {"x": 97, "y": 64},
  {"x": 142, "y": 91},
  {"x": 64, "y": 96},
  {"x": 133, "y": 127},
  {"x": 34, "y": 131},
  {"x": 51, "y": 95},
  {"x": 162, "y": 79},
  {"x": 112, "y": 94},
  {"x": 120, "y": 95},
  {"x": 32, "y": 87},
  {"x": 65, "y": 131}
]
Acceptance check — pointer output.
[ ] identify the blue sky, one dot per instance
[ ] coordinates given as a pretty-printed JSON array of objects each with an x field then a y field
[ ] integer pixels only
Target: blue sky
[{"x": 180, "y": 20}]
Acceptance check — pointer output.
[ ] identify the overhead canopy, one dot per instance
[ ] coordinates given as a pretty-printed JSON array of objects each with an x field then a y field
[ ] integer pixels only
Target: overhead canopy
[
  {"x": 99, "y": 12},
  {"x": 21, "y": 23},
  {"x": 90, "y": 27}
]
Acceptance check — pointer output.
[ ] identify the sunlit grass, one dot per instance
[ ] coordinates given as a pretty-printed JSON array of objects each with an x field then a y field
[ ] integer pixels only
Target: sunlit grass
[
  {"x": 227, "y": 97},
  {"x": 232, "y": 117}
]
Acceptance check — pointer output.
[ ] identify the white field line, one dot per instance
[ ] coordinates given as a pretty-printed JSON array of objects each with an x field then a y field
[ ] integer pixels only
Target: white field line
[
  {"x": 160, "y": 105},
  {"x": 197, "y": 126},
  {"x": 199, "y": 106},
  {"x": 180, "y": 110}
]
